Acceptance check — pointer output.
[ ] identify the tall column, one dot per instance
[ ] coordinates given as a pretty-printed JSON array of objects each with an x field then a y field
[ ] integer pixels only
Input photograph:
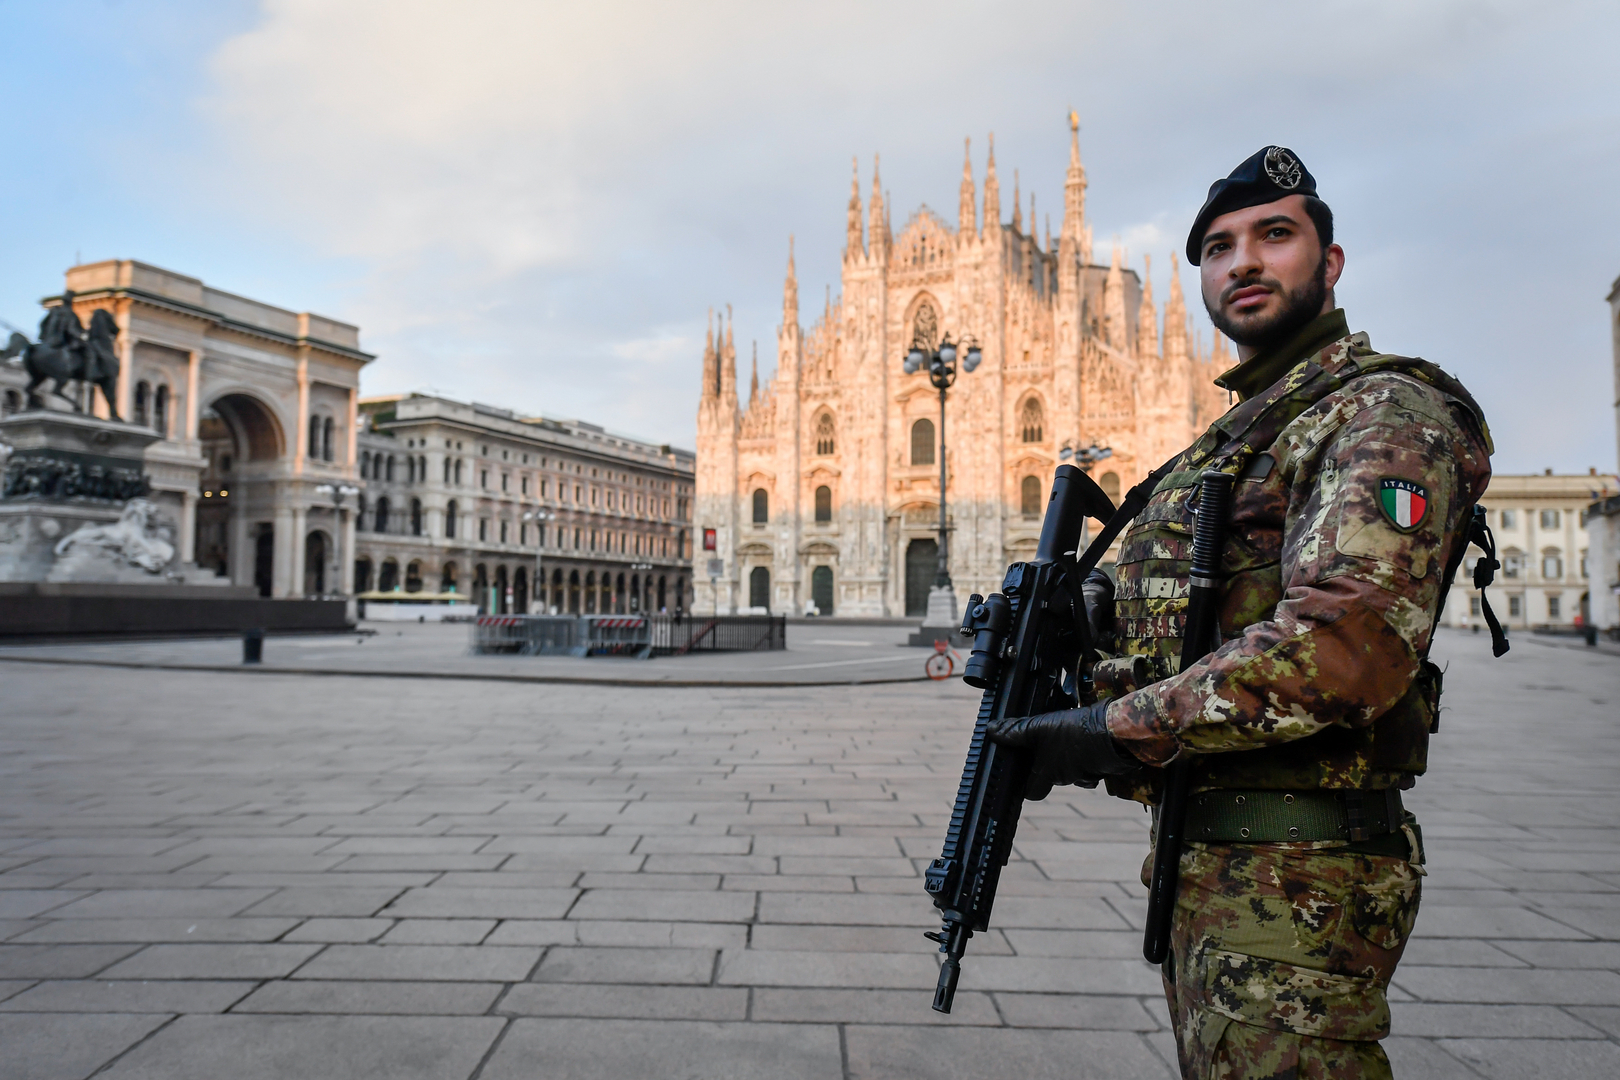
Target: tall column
[
  {"x": 281, "y": 574},
  {"x": 126, "y": 365},
  {"x": 300, "y": 526},
  {"x": 240, "y": 553},
  {"x": 188, "y": 526},
  {"x": 193, "y": 406},
  {"x": 346, "y": 551},
  {"x": 354, "y": 428},
  {"x": 301, "y": 438}
]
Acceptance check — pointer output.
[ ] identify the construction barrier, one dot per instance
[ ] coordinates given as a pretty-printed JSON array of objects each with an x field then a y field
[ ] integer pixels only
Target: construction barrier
[
  {"x": 626, "y": 635},
  {"x": 528, "y": 635},
  {"x": 615, "y": 635},
  {"x": 673, "y": 636}
]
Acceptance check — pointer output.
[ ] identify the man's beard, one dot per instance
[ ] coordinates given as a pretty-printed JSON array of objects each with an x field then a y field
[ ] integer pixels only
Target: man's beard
[{"x": 1297, "y": 310}]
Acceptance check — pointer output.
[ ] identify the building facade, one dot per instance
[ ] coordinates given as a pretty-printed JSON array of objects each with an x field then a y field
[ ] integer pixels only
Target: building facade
[
  {"x": 477, "y": 500},
  {"x": 1543, "y": 534},
  {"x": 256, "y": 406},
  {"x": 821, "y": 491}
]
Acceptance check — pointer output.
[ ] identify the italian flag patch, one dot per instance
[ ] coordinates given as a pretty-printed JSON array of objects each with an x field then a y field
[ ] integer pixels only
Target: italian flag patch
[{"x": 1404, "y": 503}]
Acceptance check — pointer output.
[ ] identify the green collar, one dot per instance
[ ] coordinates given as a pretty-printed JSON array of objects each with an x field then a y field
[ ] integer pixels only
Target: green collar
[{"x": 1264, "y": 368}]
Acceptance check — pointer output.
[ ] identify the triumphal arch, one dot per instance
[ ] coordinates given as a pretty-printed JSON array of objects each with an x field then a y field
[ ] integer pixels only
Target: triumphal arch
[
  {"x": 822, "y": 487},
  {"x": 255, "y": 408}
]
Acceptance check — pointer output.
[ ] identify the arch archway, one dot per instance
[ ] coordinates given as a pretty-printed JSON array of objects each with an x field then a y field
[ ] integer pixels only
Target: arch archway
[
  {"x": 240, "y": 439},
  {"x": 317, "y": 550}
]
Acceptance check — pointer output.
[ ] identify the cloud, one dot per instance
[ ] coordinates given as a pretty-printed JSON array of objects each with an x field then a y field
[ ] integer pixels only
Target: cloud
[{"x": 536, "y": 202}]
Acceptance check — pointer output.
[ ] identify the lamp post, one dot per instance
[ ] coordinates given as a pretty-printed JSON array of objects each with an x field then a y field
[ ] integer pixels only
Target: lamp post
[
  {"x": 538, "y": 515},
  {"x": 941, "y": 364},
  {"x": 339, "y": 492}
]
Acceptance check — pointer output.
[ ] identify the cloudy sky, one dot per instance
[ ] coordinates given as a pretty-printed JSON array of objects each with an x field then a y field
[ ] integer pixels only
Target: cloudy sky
[{"x": 534, "y": 204}]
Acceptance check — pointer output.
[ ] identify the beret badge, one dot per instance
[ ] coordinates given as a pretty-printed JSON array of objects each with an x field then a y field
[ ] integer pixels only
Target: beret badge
[{"x": 1282, "y": 167}]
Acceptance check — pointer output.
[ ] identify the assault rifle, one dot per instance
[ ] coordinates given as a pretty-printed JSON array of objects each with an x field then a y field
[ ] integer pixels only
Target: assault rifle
[{"x": 1030, "y": 642}]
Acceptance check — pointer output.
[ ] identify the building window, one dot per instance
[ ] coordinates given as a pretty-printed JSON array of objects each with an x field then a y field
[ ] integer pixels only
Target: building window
[
  {"x": 506, "y": 480},
  {"x": 1552, "y": 565},
  {"x": 503, "y": 531},
  {"x": 1029, "y": 496},
  {"x": 1512, "y": 563},
  {"x": 416, "y": 517},
  {"x": 483, "y": 479},
  {"x": 1549, "y": 519},
  {"x": 824, "y": 435},
  {"x": 143, "y": 398},
  {"x": 483, "y": 529},
  {"x": 326, "y": 439},
  {"x": 1473, "y": 606},
  {"x": 1515, "y": 607},
  {"x": 160, "y": 411},
  {"x": 525, "y": 485},
  {"x": 1510, "y": 519},
  {"x": 382, "y": 515},
  {"x": 922, "y": 442},
  {"x": 577, "y": 538},
  {"x": 1554, "y": 608},
  {"x": 823, "y": 503},
  {"x": 314, "y": 449},
  {"x": 458, "y": 474},
  {"x": 360, "y": 520},
  {"x": 390, "y": 469},
  {"x": 450, "y": 519},
  {"x": 762, "y": 506},
  {"x": 1030, "y": 420}
]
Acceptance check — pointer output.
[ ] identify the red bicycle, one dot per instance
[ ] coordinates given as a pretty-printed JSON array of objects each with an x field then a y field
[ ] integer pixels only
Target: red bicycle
[{"x": 941, "y": 665}]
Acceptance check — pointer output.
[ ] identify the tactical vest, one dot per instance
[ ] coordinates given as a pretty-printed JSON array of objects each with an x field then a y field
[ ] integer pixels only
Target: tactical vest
[{"x": 1155, "y": 561}]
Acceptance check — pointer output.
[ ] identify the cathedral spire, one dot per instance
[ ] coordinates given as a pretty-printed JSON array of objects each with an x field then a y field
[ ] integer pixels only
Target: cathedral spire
[
  {"x": 1018, "y": 206},
  {"x": 876, "y": 223},
  {"x": 967, "y": 216},
  {"x": 854, "y": 245},
  {"x": 1114, "y": 304},
  {"x": 1175, "y": 317},
  {"x": 711, "y": 370},
  {"x": 728, "y": 367},
  {"x": 753, "y": 382},
  {"x": 790, "y": 289},
  {"x": 992, "y": 191},
  {"x": 1147, "y": 317},
  {"x": 1075, "y": 238}
]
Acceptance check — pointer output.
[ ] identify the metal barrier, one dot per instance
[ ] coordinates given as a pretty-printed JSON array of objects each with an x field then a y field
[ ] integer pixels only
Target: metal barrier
[
  {"x": 615, "y": 635},
  {"x": 528, "y": 635},
  {"x": 726, "y": 633},
  {"x": 626, "y": 635}
]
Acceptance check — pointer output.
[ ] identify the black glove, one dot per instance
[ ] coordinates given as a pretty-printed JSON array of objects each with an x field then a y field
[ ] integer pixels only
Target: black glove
[{"x": 1069, "y": 747}]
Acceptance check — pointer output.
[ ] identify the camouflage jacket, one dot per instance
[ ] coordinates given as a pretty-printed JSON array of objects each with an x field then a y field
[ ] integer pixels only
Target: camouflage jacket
[{"x": 1355, "y": 470}]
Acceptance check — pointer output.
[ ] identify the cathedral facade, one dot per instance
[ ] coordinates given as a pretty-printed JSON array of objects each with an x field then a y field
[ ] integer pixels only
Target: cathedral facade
[{"x": 821, "y": 491}]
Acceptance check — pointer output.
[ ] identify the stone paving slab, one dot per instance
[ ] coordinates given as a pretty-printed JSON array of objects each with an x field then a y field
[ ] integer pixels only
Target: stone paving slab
[{"x": 425, "y": 879}]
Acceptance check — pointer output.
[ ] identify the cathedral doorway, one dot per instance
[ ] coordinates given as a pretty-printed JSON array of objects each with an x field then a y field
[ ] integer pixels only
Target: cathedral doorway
[
  {"x": 922, "y": 566},
  {"x": 759, "y": 588},
  {"x": 821, "y": 590}
]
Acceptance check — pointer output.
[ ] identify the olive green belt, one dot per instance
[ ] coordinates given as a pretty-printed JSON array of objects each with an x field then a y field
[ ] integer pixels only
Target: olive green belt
[{"x": 1275, "y": 817}]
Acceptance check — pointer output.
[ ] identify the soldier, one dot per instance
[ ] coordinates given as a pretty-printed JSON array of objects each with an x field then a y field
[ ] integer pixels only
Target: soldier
[{"x": 1357, "y": 472}]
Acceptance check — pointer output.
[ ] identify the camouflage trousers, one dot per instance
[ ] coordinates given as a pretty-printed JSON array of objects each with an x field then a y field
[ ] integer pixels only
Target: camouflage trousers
[{"x": 1280, "y": 960}]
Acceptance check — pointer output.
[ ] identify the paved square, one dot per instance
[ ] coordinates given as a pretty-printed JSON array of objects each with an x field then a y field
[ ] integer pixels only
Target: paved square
[{"x": 211, "y": 873}]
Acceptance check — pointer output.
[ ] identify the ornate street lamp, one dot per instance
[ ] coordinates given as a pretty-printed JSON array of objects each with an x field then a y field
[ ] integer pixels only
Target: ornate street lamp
[
  {"x": 540, "y": 588},
  {"x": 941, "y": 365}
]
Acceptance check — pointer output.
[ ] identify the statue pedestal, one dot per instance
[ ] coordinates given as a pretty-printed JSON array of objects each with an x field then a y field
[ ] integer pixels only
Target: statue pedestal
[
  {"x": 84, "y": 551},
  {"x": 942, "y": 620}
]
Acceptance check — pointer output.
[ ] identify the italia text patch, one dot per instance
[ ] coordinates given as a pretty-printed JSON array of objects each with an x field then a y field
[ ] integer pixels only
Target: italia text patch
[{"x": 1405, "y": 503}]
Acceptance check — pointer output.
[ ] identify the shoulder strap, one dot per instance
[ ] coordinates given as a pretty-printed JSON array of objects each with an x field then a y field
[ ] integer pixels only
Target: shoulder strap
[
  {"x": 1129, "y": 507},
  {"x": 1477, "y": 531}
]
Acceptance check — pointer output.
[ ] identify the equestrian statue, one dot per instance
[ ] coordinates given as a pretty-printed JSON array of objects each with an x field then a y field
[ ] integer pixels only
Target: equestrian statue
[{"x": 67, "y": 352}]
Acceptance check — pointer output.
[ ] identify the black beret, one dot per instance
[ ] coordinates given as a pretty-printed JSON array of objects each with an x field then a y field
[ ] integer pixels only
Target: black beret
[{"x": 1269, "y": 174}]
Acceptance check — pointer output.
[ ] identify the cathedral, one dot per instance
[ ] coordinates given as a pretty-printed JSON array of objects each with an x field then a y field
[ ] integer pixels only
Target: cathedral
[{"x": 820, "y": 492}]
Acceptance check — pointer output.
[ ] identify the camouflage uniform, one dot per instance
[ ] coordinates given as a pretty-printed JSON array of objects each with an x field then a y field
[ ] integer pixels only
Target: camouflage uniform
[{"x": 1282, "y": 952}]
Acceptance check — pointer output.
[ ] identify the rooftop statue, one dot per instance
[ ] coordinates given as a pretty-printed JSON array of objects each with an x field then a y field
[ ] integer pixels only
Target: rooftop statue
[{"x": 67, "y": 352}]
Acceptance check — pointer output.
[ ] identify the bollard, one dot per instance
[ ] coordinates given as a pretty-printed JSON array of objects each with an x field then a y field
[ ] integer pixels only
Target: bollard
[
  {"x": 1589, "y": 632},
  {"x": 252, "y": 646}
]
